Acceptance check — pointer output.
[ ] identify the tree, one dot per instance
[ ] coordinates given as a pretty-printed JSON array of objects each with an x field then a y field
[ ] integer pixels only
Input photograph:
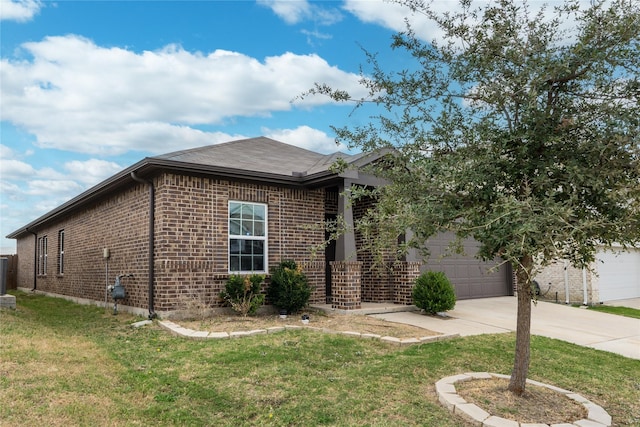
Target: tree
[{"x": 511, "y": 131}]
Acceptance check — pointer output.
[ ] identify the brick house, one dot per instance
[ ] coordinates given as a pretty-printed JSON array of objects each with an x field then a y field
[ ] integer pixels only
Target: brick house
[
  {"x": 614, "y": 275},
  {"x": 182, "y": 222}
]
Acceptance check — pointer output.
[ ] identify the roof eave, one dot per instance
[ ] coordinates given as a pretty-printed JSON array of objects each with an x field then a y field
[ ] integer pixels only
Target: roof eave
[{"x": 149, "y": 166}]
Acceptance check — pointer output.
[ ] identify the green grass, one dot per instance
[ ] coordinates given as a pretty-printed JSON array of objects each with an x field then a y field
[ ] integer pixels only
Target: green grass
[
  {"x": 621, "y": 311},
  {"x": 66, "y": 364}
]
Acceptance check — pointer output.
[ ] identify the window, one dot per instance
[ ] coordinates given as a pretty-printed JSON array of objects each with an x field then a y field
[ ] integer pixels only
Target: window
[
  {"x": 42, "y": 255},
  {"x": 247, "y": 237},
  {"x": 61, "y": 252}
]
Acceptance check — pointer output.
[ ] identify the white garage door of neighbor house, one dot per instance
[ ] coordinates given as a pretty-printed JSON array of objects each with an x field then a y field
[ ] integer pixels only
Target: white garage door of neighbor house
[{"x": 619, "y": 274}]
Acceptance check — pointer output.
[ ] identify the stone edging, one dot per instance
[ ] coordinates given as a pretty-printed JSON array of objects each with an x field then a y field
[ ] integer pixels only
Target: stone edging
[
  {"x": 447, "y": 395},
  {"x": 178, "y": 330}
]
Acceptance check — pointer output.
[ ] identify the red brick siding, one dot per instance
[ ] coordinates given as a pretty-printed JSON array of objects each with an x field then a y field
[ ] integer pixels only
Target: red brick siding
[
  {"x": 345, "y": 285},
  {"x": 119, "y": 223},
  {"x": 377, "y": 283},
  {"x": 191, "y": 241}
]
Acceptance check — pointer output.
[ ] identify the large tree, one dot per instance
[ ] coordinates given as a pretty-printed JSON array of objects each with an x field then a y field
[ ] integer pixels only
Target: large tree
[{"x": 515, "y": 129}]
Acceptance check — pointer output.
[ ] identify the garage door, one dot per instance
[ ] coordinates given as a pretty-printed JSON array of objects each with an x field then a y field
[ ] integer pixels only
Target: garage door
[
  {"x": 618, "y": 274},
  {"x": 470, "y": 277}
]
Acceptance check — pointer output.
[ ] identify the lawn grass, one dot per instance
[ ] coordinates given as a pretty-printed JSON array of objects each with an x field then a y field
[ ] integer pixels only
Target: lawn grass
[
  {"x": 66, "y": 364},
  {"x": 621, "y": 311}
]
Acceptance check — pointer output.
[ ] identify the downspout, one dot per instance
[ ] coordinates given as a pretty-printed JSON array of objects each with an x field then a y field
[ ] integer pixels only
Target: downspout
[
  {"x": 566, "y": 282},
  {"x": 152, "y": 197},
  {"x": 584, "y": 286},
  {"x": 35, "y": 258}
]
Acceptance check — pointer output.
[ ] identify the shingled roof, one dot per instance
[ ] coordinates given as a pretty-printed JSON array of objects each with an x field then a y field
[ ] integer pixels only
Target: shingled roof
[
  {"x": 256, "y": 154},
  {"x": 255, "y": 159}
]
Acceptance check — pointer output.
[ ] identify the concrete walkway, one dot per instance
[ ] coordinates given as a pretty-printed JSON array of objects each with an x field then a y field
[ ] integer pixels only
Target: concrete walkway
[{"x": 588, "y": 328}]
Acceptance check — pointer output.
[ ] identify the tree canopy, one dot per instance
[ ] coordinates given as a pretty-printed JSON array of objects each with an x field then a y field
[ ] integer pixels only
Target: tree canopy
[{"x": 515, "y": 129}]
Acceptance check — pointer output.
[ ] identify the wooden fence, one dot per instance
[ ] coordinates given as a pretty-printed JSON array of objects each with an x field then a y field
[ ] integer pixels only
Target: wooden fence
[{"x": 12, "y": 271}]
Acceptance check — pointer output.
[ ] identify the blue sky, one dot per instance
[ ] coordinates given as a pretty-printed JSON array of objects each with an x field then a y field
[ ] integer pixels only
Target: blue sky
[{"x": 91, "y": 87}]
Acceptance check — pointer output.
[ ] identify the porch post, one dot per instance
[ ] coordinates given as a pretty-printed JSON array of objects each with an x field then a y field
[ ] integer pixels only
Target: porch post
[
  {"x": 346, "y": 269},
  {"x": 346, "y": 243}
]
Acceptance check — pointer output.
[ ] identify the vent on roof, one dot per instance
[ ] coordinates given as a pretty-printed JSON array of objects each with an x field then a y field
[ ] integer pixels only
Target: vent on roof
[{"x": 299, "y": 174}]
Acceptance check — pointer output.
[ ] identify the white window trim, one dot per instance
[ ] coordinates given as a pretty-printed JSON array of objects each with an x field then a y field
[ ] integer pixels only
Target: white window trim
[
  {"x": 264, "y": 238},
  {"x": 61, "y": 242},
  {"x": 42, "y": 255}
]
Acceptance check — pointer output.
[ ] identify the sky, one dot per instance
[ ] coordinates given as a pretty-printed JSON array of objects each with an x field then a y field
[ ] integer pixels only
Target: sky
[{"x": 88, "y": 88}]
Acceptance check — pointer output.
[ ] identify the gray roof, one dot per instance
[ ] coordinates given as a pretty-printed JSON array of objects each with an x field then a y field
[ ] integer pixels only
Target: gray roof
[
  {"x": 255, "y": 159},
  {"x": 257, "y": 155}
]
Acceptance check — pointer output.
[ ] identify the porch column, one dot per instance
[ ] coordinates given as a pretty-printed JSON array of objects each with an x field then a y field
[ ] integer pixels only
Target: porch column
[
  {"x": 405, "y": 274},
  {"x": 345, "y": 285},
  {"x": 346, "y": 243}
]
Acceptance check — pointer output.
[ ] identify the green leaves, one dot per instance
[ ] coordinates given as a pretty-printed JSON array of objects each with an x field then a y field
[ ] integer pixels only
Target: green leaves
[{"x": 511, "y": 131}]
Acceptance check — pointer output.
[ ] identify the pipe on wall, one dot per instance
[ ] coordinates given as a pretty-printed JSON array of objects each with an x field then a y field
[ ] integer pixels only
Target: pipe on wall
[
  {"x": 584, "y": 286},
  {"x": 566, "y": 282},
  {"x": 152, "y": 197}
]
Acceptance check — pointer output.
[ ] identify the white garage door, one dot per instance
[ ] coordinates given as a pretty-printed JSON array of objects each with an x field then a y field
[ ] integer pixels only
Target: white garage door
[{"x": 619, "y": 274}]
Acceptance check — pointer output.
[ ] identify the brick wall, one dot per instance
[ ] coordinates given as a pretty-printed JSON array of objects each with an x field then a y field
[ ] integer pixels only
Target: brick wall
[
  {"x": 552, "y": 282},
  {"x": 377, "y": 281},
  {"x": 345, "y": 285},
  {"x": 119, "y": 223},
  {"x": 192, "y": 234},
  {"x": 191, "y": 241},
  {"x": 404, "y": 277},
  {"x": 24, "y": 250}
]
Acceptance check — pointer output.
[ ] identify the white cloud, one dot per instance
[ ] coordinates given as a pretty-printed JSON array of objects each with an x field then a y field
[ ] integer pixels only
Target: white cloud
[
  {"x": 53, "y": 188},
  {"x": 291, "y": 12},
  {"x": 92, "y": 171},
  {"x": 392, "y": 15},
  {"x": 74, "y": 95},
  {"x": 20, "y": 10},
  {"x": 12, "y": 169},
  {"x": 305, "y": 137},
  {"x": 296, "y": 11}
]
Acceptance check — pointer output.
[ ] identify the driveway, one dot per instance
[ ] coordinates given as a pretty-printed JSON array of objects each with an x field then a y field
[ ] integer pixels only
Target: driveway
[{"x": 580, "y": 326}]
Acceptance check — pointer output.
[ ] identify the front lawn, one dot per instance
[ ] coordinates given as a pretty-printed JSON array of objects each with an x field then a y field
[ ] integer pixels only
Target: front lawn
[
  {"x": 621, "y": 311},
  {"x": 66, "y": 364}
]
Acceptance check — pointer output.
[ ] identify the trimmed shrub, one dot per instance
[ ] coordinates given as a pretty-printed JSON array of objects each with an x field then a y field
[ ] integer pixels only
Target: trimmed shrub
[
  {"x": 242, "y": 294},
  {"x": 433, "y": 292},
  {"x": 289, "y": 289}
]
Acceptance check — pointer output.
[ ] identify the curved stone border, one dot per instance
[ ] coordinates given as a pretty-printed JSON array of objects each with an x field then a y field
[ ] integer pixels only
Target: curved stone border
[
  {"x": 447, "y": 395},
  {"x": 178, "y": 330}
]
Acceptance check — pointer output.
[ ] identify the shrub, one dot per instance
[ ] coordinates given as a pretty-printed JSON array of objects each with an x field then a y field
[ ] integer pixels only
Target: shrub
[
  {"x": 433, "y": 292},
  {"x": 243, "y": 293},
  {"x": 289, "y": 289}
]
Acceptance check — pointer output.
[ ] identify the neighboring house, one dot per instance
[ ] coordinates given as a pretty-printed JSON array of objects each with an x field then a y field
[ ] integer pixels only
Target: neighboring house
[
  {"x": 615, "y": 275},
  {"x": 182, "y": 222}
]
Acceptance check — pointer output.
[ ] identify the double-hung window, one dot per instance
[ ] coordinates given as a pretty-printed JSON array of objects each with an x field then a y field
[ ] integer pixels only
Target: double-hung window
[
  {"x": 247, "y": 237},
  {"x": 42, "y": 255},
  {"x": 61, "y": 252}
]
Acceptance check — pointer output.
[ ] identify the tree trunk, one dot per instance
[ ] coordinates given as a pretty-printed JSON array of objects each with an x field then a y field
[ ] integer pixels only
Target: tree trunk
[{"x": 523, "y": 328}]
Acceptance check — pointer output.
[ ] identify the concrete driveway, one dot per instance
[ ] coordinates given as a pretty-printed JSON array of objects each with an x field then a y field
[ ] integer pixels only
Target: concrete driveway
[{"x": 588, "y": 328}]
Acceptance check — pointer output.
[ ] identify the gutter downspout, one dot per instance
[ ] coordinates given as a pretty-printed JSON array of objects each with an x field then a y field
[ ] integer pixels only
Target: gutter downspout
[
  {"x": 566, "y": 282},
  {"x": 152, "y": 197},
  {"x": 35, "y": 258},
  {"x": 584, "y": 286}
]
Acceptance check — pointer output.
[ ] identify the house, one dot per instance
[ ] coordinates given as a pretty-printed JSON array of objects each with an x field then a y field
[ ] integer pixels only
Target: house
[
  {"x": 614, "y": 275},
  {"x": 182, "y": 222}
]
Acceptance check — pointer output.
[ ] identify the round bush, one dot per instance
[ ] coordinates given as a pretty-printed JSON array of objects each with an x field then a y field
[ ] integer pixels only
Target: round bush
[
  {"x": 289, "y": 289},
  {"x": 433, "y": 292}
]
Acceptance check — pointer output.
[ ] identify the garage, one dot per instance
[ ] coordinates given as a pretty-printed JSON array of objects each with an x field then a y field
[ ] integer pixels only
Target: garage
[
  {"x": 470, "y": 277},
  {"x": 618, "y": 274}
]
